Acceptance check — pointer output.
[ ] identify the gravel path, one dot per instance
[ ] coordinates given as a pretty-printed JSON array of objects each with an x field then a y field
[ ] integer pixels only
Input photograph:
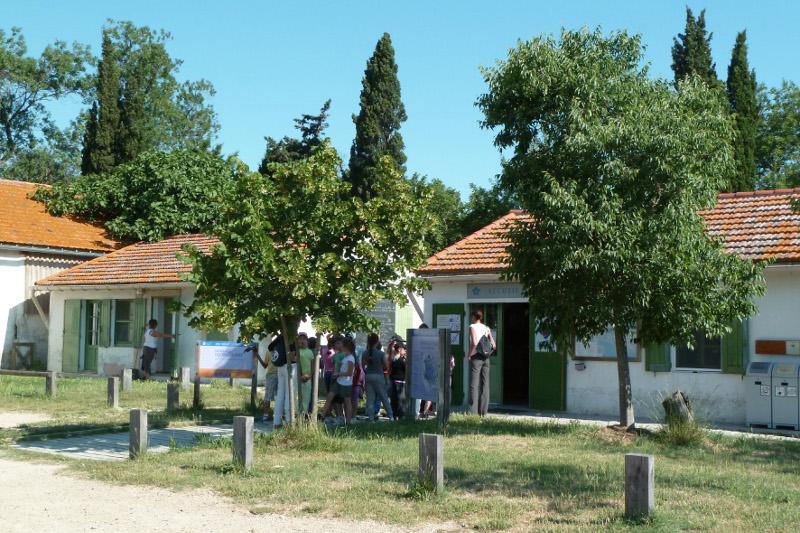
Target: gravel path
[
  {"x": 12, "y": 419},
  {"x": 35, "y": 497}
]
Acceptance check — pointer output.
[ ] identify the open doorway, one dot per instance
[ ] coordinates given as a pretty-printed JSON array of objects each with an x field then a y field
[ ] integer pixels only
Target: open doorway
[{"x": 516, "y": 353}]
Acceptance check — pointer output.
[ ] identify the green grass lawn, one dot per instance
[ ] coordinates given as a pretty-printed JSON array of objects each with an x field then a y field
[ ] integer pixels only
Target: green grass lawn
[{"x": 501, "y": 474}]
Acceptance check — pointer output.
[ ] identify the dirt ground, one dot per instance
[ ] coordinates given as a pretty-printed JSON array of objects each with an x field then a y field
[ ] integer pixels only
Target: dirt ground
[
  {"x": 37, "y": 497},
  {"x": 11, "y": 419}
]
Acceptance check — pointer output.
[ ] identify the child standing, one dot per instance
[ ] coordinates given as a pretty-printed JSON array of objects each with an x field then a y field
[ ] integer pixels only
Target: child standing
[{"x": 343, "y": 384}]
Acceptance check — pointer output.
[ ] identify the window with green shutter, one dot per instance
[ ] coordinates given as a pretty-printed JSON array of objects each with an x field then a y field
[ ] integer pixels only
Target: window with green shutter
[
  {"x": 123, "y": 320},
  {"x": 139, "y": 322},
  {"x": 735, "y": 352},
  {"x": 657, "y": 358}
]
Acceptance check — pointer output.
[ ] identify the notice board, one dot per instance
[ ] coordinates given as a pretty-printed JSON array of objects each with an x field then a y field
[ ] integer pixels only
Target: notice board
[{"x": 222, "y": 359}]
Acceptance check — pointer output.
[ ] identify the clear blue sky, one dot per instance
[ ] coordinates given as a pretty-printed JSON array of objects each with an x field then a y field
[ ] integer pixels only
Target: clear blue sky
[{"x": 271, "y": 61}]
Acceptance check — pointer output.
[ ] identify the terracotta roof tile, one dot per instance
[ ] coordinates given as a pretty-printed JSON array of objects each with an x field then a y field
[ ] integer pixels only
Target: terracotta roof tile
[
  {"x": 756, "y": 225},
  {"x": 144, "y": 262},
  {"x": 24, "y": 221}
]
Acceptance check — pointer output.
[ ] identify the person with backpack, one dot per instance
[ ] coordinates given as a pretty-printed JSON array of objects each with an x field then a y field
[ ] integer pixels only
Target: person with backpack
[
  {"x": 481, "y": 348},
  {"x": 375, "y": 362},
  {"x": 270, "y": 382},
  {"x": 285, "y": 372}
]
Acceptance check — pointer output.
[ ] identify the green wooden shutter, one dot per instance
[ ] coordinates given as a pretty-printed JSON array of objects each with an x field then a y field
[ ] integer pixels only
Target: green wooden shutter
[
  {"x": 735, "y": 349},
  {"x": 138, "y": 322},
  {"x": 457, "y": 350},
  {"x": 105, "y": 324},
  {"x": 71, "y": 349},
  {"x": 657, "y": 357}
]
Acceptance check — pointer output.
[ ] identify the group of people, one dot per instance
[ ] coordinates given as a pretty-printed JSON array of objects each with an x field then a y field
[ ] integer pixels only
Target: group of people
[{"x": 350, "y": 373}]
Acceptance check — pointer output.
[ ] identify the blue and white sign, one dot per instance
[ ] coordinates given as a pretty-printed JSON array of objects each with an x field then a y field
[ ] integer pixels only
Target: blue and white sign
[{"x": 224, "y": 359}]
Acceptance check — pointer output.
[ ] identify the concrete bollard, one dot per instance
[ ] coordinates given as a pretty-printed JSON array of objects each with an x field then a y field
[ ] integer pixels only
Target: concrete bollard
[
  {"x": 186, "y": 379},
  {"x": 113, "y": 392},
  {"x": 127, "y": 379},
  {"x": 138, "y": 433},
  {"x": 431, "y": 460},
  {"x": 173, "y": 396},
  {"x": 50, "y": 384},
  {"x": 639, "y": 485},
  {"x": 243, "y": 441}
]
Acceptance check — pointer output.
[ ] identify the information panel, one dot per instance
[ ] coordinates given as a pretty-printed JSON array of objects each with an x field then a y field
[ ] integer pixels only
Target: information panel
[
  {"x": 222, "y": 359},
  {"x": 426, "y": 360}
]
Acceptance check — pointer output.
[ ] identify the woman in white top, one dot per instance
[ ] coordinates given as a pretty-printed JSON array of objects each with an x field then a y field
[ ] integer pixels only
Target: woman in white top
[
  {"x": 150, "y": 345},
  {"x": 478, "y": 365}
]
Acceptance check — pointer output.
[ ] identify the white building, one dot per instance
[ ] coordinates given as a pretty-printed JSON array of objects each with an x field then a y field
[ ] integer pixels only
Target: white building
[
  {"x": 33, "y": 245},
  {"x": 757, "y": 225},
  {"x": 99, "y": 310}
]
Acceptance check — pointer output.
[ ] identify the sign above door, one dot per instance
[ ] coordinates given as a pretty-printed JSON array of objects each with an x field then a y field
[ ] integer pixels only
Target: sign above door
[{"x": 494, "y": 291}]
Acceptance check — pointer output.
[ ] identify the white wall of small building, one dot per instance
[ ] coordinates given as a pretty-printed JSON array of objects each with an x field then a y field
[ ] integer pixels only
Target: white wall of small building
[
  {"x": 12, "y": 298},
  {"x": 716, "y": 397}
]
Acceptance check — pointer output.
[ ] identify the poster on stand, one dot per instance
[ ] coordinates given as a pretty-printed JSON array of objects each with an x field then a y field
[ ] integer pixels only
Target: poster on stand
[{"x": 223, "y": 359}]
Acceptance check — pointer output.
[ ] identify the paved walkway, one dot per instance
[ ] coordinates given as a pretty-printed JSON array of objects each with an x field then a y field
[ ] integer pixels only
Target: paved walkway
[{"x": 114, "y": 446}]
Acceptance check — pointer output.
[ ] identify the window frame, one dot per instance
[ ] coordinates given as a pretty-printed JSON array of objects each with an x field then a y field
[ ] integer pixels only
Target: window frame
[
  {"x": 634, "y": 356},
  {"x": 115, "y": 321},
  {"x": 677, "y": 368}
]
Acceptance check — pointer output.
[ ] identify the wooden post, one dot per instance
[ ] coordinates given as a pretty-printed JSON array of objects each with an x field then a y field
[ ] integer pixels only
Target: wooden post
[
  {"x": 113, "y": 392},
  {"x": 639, "y": 485},
  {"x": 431, "y": 460},
  {"x": 173, "y": 396},
  {"x": 315, "y": 384},
  {"x": 443, "y": 402},
  {"x": 186, "y": 377},
  {"x": 127, "y": 379},
  {"x": 138, "y": 432},
  {"x": 50, "y": 386},
  {"x": 243, "y": 441}
]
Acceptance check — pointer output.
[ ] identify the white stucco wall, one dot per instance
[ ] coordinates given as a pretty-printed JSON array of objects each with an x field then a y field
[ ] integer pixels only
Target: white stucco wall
[
  {"x": 12, "y": 298},
  {"x": 717, "y": 397}
]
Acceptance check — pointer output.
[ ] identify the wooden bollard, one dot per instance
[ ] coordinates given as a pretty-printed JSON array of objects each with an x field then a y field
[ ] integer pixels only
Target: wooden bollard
[
  {"x": 243, "y": 441},
  {"x": 138, "y": 433},
  {"x": 186, "y": 379},
  {"x": 113, "y": 392},
  {"x": 127, "y": 379},
  {"x": 639, "y": 485},
  {"x": 173, "y": 396},
  {"x": 431, "y": 460},
  {"x": 50, "y": 386}
]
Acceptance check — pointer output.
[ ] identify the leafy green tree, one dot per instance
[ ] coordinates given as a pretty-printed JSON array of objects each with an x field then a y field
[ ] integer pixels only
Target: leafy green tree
[
  {"x": 778, "y": 137},
  {"x": 487, "y": 205},
  {"x": 312, "y": 130},
  {"x": 378, "y": 122},
  {"x": 449, "y": 209},
  {"x": 741, "y": 87},
  {"x": 101, "y": 142},
  {"x": 283, "y": 257},
  {"x": 156, "y": 195},
  {"x": 691, "y": 52},
  {"x": 614, "y": 168},
  {"x": 31, "y": 146},
  {"x": 141, "y": 105}
]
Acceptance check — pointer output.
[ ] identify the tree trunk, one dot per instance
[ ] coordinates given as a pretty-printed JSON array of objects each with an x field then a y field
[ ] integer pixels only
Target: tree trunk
[
  {"x": 677, "y": 408},
  {"x": 287, "y": 341},
  {"x": 626, "y": 418}
]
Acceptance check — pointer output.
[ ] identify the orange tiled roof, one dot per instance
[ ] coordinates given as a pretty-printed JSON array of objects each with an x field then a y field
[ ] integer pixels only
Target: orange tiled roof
[
  {"x": 144, "y": 262},
  {"x": 24, "y": 221},
  {"x": 757, "y": 225}
]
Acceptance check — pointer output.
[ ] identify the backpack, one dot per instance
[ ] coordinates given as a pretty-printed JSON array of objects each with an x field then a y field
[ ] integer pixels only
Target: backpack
[
  {"x": 485, "y": 348},
  {"x": 278, "y": 357}
]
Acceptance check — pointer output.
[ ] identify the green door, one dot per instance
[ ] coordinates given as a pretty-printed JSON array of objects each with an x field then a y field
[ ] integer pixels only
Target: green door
[
  {"x": 441, "y": 314},
  {"x": 547, "y": 376},
  {"x": 91, "y": 337},
  {"x": 71, "y": 349}
]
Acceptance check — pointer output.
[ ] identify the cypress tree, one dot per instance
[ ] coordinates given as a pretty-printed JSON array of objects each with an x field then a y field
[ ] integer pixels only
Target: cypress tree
[
  {"x": 133, "y": 120},
  {"x": 741, "y": 87},
  {"x": 89, "y": 137},
  {"x": 101, "y": 152},
  {"x": 378, "y": 122},
  {"x": 691, "y": 52}
]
